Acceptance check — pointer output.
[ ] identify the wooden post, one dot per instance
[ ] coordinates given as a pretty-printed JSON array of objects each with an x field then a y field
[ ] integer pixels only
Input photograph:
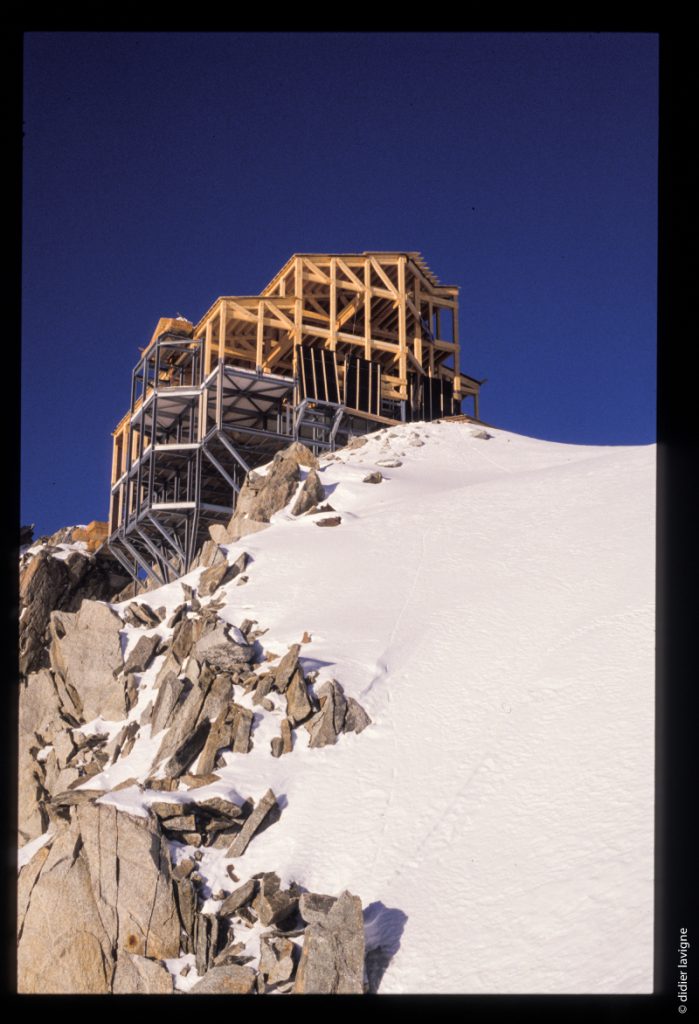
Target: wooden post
[
  {"x": 221, "y": 333},
  {"x": 402, "y": 330},
  {"x": 298, "y": 318},
  {"x": 333, "y": 304},
  {"x": 208, "y": 345},
  {"x": 259, "y": 355},
  {"x": 418, "y": 323},
  {"x": 457, "y": 354},
  {"x": 367, "y": 308}
]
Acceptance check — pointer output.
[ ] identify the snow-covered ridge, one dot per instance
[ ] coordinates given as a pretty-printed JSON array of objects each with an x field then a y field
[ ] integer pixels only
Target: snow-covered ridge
[{"x": 490, "y": 604}]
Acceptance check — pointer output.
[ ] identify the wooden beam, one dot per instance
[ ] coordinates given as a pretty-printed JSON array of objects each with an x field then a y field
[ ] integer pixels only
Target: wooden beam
[
  {"x": 402, "y": 328},
  {"x": 316, "y": 274},
  {"x": 394, "y": 292},
  {"x": 222, "y": 318},
  {"x": 260, "y": 347},
  {"x": 352, "y": 279},
  {"x": 333, "y": 305},
  {"x": 417, "y": 343},
  {"x": 367, "y": 309}
]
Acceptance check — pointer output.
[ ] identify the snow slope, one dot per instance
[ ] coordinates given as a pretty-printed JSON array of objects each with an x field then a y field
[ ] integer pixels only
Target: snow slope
[{"x": 491, "y": 605}]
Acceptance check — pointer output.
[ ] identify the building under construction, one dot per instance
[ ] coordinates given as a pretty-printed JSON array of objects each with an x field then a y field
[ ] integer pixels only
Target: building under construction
[{"x": 334, "y": 346}]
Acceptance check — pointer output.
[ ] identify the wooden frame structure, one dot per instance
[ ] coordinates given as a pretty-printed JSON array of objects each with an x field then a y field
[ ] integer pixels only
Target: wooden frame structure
[{"x": 336, "y": 345}]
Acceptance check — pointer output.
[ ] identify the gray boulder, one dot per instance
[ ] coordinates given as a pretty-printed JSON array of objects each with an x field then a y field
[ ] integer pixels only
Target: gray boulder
[
  {"x": 143, "y": 653},
  {"x": 276, "y": 958},
  {"x": 225, "y": 650},
  {"x": 139, "y": 975},
  {"x": 356, "y": 718},
  {"x": 332, "y": 961},
  {"x": 312, "y": 492},
  {"x": 228, "y": 979},
  {"x": 86, "y": 650},
  {"x": 266, "y": 805}
]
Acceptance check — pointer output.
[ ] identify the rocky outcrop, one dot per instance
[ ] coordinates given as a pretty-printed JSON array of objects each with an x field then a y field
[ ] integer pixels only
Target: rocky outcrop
[
  {"x": 332, "y": 961},
  {"x": 312, "y": 492},
  {"x": 263, "y": 495},
  {"x": 48, "y": 583},
  {"x": 86, "y": 651}
]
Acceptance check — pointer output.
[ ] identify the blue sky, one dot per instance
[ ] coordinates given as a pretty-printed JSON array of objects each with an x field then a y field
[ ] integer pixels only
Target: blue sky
[{"x": 162, "y": 170}]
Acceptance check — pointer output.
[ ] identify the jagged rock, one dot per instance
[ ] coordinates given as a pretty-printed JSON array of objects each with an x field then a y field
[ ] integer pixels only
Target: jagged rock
[
  {"x": 240, "y": 897},
  {"x": 185, "y": 720},
  {"x": 187, "y": 631},
  {"x": 265, "y": 683},
  {"x": 180, "y": 823},
  {"x": 314, "y": 906},
  {"x": 331, "y": 521},
  {"x": 177, "y": 615},
  {"x": 39, "y": 706},
  {"x": 356, "y": 718},
  {"x": 220, "y": 737},
  {"x": 169, "y": 808},
  {"x": 118, "y": 745},
  {"x": 218, "y": 697},
  {"x": 86, "y": 650},
  {"x": 209, "y": 555},
  {"x": 187, "y": 751},
  {"x": 138, "y": 613},
  {"x": 276, "y": 958},
  {"x": 199, "y": 780},
  {"x": 49, "y": 584},
  {"x": 216, "y": 805},
  {"x": 261, "y": 496},
  {"x": 131, "y": 690},
  {"x": 64, "y": 946},
  {"x": 229, "y": 979},
  {"x": 373, "y": 478},
  {"x": 333, "y": 692},
  {"x": 183, "y": 869},
  {"x": 298, "y": 704},
  {"x": 225, "y": 651},
  {"x": 186, "y": 900},
  {"x": 267, "y": 804},
  {"x": 356, "y": 442},
  {"x": 141, "y": 975},
  {"x": 142, "y": 654},
  {"x": 273, "y": 904},
  {"x": 130, "y": 870},
  {"x": 211, "y": 579},
  {"x": 76, "y": 797},
  {"x": 232, "y": 954},
  {"x": 127, "y": 784},
  {"x": 32, "y": 817},
  {"x": 312, "y": 492},
  {"x": 206, "y": 927},
  {"x": 321, "y": 729},
  {"x": 287, "y": 737},
  {"x": 286, "y": 668},
  {"x": 169, "y": 693},
  {"x": 332, "y": 960},
  {"x": 242, "y": 726}
]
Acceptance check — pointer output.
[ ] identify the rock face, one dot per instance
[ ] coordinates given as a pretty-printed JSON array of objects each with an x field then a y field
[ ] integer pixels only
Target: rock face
[
  {"x": 261, "y": 496},
  {"x": 312, "y": 492},
  {"x": 86, "y": 650},
  {"x": 48, "y": 583},
  {"x": 101, "y": 906},
  {"x": 332, "y": 961}
]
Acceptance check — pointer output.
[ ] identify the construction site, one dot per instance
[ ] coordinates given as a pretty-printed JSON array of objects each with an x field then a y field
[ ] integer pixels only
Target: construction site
[{"x": 335, "y": 346}]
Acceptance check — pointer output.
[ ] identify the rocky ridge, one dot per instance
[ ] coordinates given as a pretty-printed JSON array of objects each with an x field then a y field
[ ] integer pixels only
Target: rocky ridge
[{"x": 109, "y": 900}]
